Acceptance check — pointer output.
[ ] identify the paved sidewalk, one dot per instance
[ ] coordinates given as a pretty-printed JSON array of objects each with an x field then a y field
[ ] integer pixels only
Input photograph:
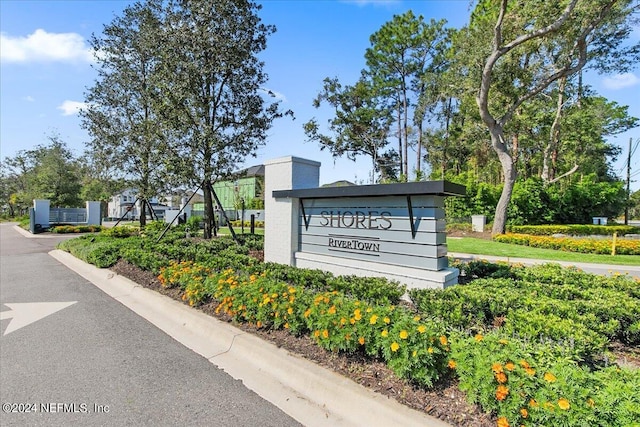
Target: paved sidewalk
[
  {"x": 601, "y": 269},
  {"x": 312, "y": 395}
]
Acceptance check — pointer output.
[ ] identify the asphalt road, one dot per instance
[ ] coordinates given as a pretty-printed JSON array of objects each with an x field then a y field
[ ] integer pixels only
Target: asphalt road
[{"x": 94, "y": 362}]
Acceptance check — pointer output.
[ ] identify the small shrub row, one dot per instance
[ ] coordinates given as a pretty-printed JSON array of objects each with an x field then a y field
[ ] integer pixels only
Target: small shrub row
[
  {"x": 574, "y": 230},
  {"x": 75, "y": 228},
  {"x": 569, "y": 244},
  {"x": 238, "y": 223},
  {"x": 584, "y": 312}
]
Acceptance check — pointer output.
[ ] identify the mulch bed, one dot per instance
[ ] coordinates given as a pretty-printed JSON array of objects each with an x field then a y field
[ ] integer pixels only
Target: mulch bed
[{"x": 444, "y": 401}]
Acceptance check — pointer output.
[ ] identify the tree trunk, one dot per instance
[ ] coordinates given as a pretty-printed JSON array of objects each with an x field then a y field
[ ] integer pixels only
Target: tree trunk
[
  {"x": 208, "y": 211},
  {"x": 550, "y": 150},
  {"x": 143, "y": 213},
  {"x": 510, "y": 174}
]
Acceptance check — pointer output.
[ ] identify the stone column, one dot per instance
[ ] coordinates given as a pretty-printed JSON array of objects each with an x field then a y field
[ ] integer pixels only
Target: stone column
[
  {"x": 282, "y": 215},
  {"x": 93, "y": 213},
  {"x": 41, "y": 210}
]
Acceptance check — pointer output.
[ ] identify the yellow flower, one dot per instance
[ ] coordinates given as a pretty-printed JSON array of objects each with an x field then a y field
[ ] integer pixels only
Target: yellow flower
[
  {"x": 416, "y": 318},
  {"x": 524, "y": 413},
  {"x": 361, "y": 340},
  {"x": 548, "y": 376},
  {"x": 503, "y": 422},
  {"x": 316, "y": 334},
  {"x": 373, "y": 320},
  {"x": 387, "y": 320},
  {"x": 325, "y": 334},
  {"x": 452, "y": 364},
  {"x": 384, "y": 333},
  {"x": 357, "y": 314},
  {"x": 443, "y": 340},
  {"x": 290, "y": 310},
  {"x": 563, "y": 403},
  {"x": 533, "y": 403},
  {"x": 395, "y": 346},
  {"x": 422, "y": 329},
  {"x": 530, "y": 371},
  {"x": 307, "y": 313},
  {"x": 332, "y": 310},
  {"x": 503, "y": 342},
  {"x": 430, "y": 350},
  {"x": 509, "y": 366},
  {"x": 343, "y": 321},
  {"x": 404, "y": 334},
  {"x": 479, "y": 337},
  {"x": 591, "y": 402}
]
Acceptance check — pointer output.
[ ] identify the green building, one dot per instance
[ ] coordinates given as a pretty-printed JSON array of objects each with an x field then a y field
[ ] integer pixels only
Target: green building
[{"x": 246, "y": 184}]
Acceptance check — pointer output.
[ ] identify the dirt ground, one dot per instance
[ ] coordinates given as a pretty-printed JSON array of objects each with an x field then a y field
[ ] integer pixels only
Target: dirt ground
[{"x": 443, "y": 401}]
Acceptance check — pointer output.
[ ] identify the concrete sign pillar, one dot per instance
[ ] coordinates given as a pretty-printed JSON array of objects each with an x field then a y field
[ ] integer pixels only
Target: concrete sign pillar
[
  {"x": 281, "y": 231},
  {"x": 93, "y": 213},
  {"x": 41, "y": 210}
]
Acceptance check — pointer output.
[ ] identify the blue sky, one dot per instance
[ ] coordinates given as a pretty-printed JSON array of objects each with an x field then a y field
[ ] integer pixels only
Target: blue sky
[{"x": 45, "y": 69}]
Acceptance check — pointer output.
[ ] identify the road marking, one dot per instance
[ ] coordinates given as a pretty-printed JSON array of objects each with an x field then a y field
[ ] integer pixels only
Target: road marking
[{"x": 23, "y": 314}]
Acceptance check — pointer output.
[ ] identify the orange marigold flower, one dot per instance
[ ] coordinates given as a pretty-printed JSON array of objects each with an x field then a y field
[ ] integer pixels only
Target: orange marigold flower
[
  {"x": 533, "y": 403},
  {"x": 501, "y": 377},
  {"x": 395, "y": 346},
  {"x": 404, "y": 334},
  {"x": 361, "y": 340},
  {"x": 259, "y": 324},
  {"x": 325, "y": 334},
  {"x": 316, "y": 334},
  {"x": 502, "y": 392},
  {"x": 563, "y": 403},
  {"x": 443, "y": 340},
  {"x": 478, "y": 337},
  {"x": 496, "y": 367},
  {"x": 524, "y": 413},
  {"x": 332, "y": 310},
  {"x": 509, "y": 366},
  {"x": 373, "y": 319},
  {"x": 452, "y": 364},
  {"x": 530, "y": 371},
  {"x": 307, "y": 313},
  {"x": 524, "y": 364},
  {"x": 548, "y": 376},
  {"x": 503, "y": 422}
]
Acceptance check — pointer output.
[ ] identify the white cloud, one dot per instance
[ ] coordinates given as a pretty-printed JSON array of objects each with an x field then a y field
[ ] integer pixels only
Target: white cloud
[
  {"x": 44, "y": 47},
  {"x": 277, "y": 95},
  {"x": 29, "y": 98},
  {"x": 69, "y": 108},
  {"x": 620, "y": 81}
]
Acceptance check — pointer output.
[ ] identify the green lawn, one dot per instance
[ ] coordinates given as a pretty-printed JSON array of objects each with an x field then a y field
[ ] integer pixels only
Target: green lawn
[{"x": 476, "y": 246}]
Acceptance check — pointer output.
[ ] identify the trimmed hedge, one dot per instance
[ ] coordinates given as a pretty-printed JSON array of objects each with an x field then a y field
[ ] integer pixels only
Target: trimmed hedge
[
  {"x": 569, "y": 244},
  {"x": 574, "y": 230}
]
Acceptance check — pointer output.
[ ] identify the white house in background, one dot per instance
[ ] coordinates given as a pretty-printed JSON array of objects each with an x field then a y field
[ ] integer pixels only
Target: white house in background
[{"x": 126, "y": 205}]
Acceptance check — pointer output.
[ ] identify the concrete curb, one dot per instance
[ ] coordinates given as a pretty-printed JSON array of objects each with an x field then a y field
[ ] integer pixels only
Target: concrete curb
[{"x": 312, "y": 395}]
